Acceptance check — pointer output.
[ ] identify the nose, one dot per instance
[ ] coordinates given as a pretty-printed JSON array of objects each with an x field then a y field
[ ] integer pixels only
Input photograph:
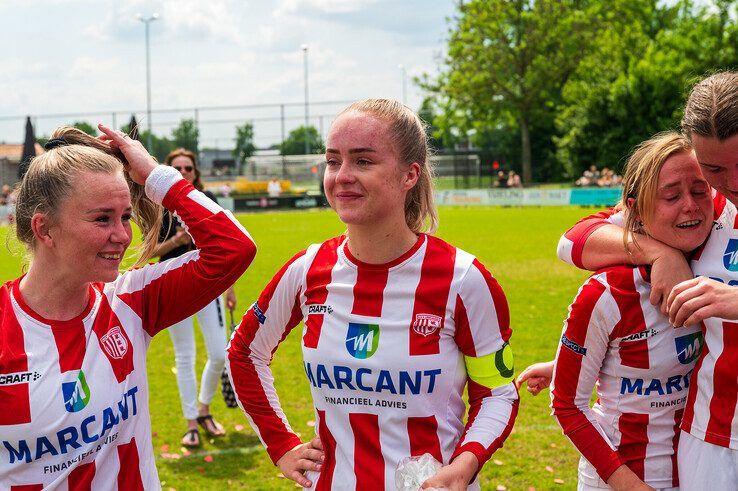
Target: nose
[
  {"x": 345, "y": 173},
  {"x": 119, "y": 234},
  {"x": 690, "y": 204}
]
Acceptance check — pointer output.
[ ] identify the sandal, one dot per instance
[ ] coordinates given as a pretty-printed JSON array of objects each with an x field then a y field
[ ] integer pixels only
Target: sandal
[
  {"x": 191, "y": 438},
  {"x": 211, "y": 427}
]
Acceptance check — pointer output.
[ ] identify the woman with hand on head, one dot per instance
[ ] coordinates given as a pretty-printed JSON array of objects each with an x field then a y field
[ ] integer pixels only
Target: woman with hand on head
[
  {"x": 174, "y": 241},
  {"x": 614, "y": 339},
  {"x": 397, "y": 324},
  {"x": 74, "y": 411}
]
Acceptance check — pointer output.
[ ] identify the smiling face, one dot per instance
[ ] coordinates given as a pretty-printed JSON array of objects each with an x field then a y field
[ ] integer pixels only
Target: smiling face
[
  {"x": 364, "y": 181},
  {"x": 91, "y": 229},
  {"x": 719, "y": 161},
  {"x": 682, "y": 208}
]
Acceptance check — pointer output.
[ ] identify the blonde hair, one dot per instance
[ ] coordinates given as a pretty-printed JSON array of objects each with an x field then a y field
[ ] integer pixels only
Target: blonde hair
[
  {"x": 641, "y": 179},
  {"x": 410, "y": 139},
  {"x": 712, "y": 107},
  {"x": 51, "y": 178}
]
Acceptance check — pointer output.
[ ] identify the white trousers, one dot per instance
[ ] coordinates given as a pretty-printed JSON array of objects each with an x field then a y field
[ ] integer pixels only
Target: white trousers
[
  {"x": 703, "y": 465},
  {"x": 212, "y": 324}
]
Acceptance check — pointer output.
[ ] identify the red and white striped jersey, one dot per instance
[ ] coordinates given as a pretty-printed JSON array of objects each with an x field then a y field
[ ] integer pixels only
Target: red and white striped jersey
[
  {"x": 386, "y": 350},
  {"x": 615, "y": 339},
  {"x": 711, "y": 413},
  {"x": 74, "y": 401}
]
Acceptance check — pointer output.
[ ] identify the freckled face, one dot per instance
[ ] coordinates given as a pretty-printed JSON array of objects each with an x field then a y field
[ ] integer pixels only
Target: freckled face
[
  {"x": 364, "y": 180},
  {"x": 92, "y": 228},
  {"x": 683, "y": 208}
]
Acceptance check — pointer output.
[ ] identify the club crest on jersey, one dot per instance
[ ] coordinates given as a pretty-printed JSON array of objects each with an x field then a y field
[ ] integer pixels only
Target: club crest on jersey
[
  {"x": 115, "y": 343},
  {"x": 362, "y": 340},
  {"x": 730, "y": 257},
  {"x": 427, "y": 324},
  {"x": 689, "y": 347},
  {"x": 76, "y": 394}
]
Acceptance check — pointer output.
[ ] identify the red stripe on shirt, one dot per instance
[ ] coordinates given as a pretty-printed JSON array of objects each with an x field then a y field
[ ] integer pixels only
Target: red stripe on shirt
[
  {"x": 463, "y": 336},
  {"x": 113, "y": 341},
  {"x": 423, "y": 434},
  {"x": 580, "y": 232},
  {"x": 27, "y": 487},
  {"x": 431, "y": 295},
  {"x": 628, "y": 299},
  {"x": 633, "y": 441},
  {"x": 573, "y": 421},
  {"x": 674, "y": 446},
  {"x": 369, "y": 291},
  {"x": 499, "y": 300},
  {"x": 15, "y": 401},
  {"x": 70, "y": 344},
  {"x": 718, "y": 202},
  {"x": 246, "y": 381},
  {"x": 325, "y": 480},
  {"x": 368, "y": 459},
  {"x": 725, "y": 394},
  {"x": 129, "y": 473},
  {"x": 316, "y": 291},
  {"x": 80, "y": 479},
  {"x": 692, "y": 394}
]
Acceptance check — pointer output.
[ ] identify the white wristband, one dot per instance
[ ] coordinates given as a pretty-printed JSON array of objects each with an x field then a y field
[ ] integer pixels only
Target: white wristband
[{"x": 160, "y": 181}]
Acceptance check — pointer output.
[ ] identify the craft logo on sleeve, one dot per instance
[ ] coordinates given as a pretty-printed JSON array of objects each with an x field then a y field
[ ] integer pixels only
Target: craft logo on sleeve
[
  {"x": 689, "y": 347},
  {"x": 730, "y": 257},
  {"x": 362, "y": 340},
  {"x": 76, "y": 393},
  {"x": 427, "y": 324},
  {"x": 115, "y": 343}
]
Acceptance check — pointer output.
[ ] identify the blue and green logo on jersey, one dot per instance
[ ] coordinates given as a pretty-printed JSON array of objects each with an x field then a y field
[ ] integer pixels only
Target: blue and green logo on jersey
[
  {"x": 76, "y": 394},
  {"x": 730, "y": 256},
  {"x": 362, "y": 340},
  {"x": 689, "y": 347}
]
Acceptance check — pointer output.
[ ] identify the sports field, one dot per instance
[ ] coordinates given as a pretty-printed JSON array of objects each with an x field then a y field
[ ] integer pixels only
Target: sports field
[{"x": 518, "y": 245}]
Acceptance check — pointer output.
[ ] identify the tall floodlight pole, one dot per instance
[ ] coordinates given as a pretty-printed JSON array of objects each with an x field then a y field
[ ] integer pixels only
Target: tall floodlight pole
[
  {"x": 403, "y": 72},
  {"x": 147, "y": 21},
  {"x": 307, "y": 105}
]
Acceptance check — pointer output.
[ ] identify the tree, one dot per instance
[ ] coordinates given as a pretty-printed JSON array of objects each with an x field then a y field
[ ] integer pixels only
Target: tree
[
  {"x": 245, "y": 147},
  {"x": 507, "y": 62},
  {"x": 635, "y": 79},
  {"x": 186, "y": 135},
  {"x": 294, "y": 144},
  {"x": 86, "y": 127}
]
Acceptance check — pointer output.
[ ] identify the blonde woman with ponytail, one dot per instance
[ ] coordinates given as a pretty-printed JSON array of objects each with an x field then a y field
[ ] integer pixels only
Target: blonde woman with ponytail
[
  {"x": 397, "y": 324},
  {"x": 74, "y": 409}
]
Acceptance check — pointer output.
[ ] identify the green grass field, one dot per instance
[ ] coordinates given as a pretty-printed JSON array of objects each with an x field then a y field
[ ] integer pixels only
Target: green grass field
[{"x": 518, "y": 245}]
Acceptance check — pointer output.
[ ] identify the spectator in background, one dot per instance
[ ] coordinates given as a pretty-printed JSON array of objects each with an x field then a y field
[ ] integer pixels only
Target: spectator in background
[
  {"x": 513, "y": 180},
  {"x": 501, "y": 179},
  {"x": 274, "y": 188},
  {"x": 174, "y": 241}
]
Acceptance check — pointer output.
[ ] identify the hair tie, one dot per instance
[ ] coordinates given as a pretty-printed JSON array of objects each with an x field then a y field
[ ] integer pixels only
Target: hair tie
[{"x": 55, "y": 142}]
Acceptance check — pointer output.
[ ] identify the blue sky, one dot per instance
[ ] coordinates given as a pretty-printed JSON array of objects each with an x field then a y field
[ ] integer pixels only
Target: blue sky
[{"x": 77, "y": 56}]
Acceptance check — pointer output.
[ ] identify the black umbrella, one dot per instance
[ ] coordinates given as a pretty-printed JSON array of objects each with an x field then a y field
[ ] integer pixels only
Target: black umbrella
[
  {"x": 133, "y": 127},
  {"x": 29, "y": 149}
]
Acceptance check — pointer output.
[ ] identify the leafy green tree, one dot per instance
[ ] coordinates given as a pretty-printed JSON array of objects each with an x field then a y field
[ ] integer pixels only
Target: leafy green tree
[
  {"x": 634, "y": 81},
  {"x": 186, "y": 135},
  {"x": 507, "y": 62},
  {"x": 245, "y": 147},
  {"x": 294, "y": 144},
  {"x": 86, "y": 127},
  {"x": 161, "y": 146}
]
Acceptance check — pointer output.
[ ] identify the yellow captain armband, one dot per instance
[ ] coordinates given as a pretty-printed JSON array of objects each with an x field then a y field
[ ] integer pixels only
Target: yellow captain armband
[{"x": 493, "y": 370}]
